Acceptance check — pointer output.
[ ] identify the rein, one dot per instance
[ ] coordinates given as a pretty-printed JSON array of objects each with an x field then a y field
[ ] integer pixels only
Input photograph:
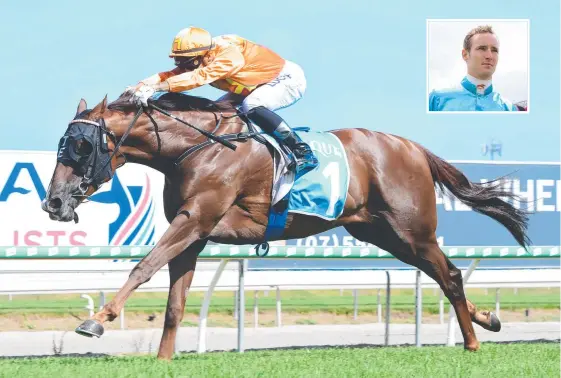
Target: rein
[
  {"x": 204, "y": 132},
  {"x": 222, "y": 139}
]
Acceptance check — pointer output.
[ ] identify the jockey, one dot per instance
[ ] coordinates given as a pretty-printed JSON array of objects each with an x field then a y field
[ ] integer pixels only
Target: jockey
[{"x": 253, "y": 74}]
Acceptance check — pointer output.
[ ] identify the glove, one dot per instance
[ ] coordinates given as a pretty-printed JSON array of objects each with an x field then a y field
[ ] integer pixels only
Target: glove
[
  {"x": 130, "y": 90},
  {"x": 142, "y": 95}
]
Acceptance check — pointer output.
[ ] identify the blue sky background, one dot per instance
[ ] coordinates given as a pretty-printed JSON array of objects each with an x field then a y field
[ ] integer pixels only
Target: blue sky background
[{"x": 365, "y": 64}]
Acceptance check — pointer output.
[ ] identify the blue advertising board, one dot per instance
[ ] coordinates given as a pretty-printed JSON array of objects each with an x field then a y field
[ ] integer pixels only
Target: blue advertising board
[{"x": 537, "y": 184}]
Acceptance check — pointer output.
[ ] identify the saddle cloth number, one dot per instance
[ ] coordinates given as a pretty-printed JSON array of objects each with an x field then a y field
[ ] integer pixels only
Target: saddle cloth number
[{"x": 332, "y": 172}]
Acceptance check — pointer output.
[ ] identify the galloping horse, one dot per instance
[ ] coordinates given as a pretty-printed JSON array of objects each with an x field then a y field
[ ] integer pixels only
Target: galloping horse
[{"x": 220, "y": 194}]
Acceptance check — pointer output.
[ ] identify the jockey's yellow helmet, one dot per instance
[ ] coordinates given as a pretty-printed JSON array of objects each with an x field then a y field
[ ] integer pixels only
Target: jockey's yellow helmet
[{"x": 191, "y": 41}]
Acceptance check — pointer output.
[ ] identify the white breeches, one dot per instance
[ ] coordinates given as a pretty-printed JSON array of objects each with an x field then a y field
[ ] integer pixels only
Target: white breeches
[{"x": 285, "y": 90}]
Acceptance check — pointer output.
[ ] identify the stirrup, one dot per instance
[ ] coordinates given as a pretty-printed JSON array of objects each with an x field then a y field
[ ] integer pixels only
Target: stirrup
[{"x": 304, "y": 163}]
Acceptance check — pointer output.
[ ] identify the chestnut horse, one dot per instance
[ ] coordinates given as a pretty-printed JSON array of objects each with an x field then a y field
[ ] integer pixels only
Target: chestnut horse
[{"x": 220, "y": 194}]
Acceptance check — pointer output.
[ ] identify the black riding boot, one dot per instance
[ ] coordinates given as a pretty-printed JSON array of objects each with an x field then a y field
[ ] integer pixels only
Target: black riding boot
[{"x": 274, "y": 125}]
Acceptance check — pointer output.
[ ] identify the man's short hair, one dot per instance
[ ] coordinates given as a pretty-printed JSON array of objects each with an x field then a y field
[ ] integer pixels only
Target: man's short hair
[{"x": 478, "y": 30}]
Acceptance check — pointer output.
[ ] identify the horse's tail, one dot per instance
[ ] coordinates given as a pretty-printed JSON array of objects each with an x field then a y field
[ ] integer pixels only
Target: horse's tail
[{"x": 482, "y": 198}]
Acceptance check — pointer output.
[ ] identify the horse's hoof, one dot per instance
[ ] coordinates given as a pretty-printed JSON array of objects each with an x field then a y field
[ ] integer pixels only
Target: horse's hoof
[
  {"x": 495, "y": 323},
  {"x": 90, "y": 328},
  {"x": 472, "y": 347}
]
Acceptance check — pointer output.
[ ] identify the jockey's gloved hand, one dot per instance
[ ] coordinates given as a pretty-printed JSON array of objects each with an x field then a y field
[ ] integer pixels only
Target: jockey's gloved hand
[
  {"x": 142, "y": 95},
  {"x": 130, "y": 90}
]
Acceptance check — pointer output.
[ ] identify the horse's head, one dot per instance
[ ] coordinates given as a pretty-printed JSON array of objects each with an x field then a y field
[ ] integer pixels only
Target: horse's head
[
  {"x": 84, "y": 162},
  {"x": 88, "y": 153}
]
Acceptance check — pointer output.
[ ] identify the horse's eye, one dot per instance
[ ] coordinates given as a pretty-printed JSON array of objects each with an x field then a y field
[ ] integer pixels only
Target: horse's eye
[{"x": 83, "y": 148}]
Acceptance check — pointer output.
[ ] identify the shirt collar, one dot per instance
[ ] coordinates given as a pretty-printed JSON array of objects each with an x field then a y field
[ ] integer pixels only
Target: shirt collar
[{"x": 477, "y": 86}]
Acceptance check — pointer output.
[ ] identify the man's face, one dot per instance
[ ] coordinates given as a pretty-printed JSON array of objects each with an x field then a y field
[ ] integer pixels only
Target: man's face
[{"x": 483, "y": 57}]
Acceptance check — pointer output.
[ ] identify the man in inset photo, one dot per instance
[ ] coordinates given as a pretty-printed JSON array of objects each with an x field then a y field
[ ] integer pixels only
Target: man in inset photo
[{"x": 475, "y": 92}]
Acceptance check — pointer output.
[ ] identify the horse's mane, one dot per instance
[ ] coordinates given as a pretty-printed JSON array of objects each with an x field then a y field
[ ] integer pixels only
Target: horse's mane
[{"x": 175, "y": 102}]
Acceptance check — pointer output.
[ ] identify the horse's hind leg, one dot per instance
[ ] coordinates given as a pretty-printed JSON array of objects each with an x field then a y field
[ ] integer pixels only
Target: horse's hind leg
[
  {"x": 428, "y": 257},
  {"x": 431, "y": 260},
  {"x": 486, "y": 319}
]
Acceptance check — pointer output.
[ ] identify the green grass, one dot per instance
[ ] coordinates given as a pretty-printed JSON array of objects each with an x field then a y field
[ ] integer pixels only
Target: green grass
[
  {"x": 493, "y": 360},
  {"x": 292, "y": 301}
]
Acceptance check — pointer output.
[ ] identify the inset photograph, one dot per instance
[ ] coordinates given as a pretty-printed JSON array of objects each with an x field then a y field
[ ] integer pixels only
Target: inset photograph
[{"x": 478, "y": 65}]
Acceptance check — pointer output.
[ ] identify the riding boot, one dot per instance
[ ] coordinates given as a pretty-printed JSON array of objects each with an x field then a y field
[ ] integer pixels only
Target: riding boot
[{"x": 303, "y": 157}]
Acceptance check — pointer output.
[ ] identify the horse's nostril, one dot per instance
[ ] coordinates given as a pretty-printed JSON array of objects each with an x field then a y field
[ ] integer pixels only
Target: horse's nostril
[{"x": 55, "y": 203}]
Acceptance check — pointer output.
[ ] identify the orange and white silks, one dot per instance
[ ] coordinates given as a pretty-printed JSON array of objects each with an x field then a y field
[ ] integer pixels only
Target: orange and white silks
[{"x": 236, "y": 65}]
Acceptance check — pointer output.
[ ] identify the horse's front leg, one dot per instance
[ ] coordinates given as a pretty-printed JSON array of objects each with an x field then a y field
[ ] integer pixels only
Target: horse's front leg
[
  {"x": 189, "y": 226},
  {"x": 181, "y": 272}
]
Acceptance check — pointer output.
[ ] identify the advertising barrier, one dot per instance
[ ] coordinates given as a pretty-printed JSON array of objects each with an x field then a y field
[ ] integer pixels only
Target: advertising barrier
[{"x": 129, "y": 209}]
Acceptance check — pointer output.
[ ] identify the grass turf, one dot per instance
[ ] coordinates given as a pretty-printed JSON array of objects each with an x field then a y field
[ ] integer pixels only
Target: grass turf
[{"x": 493, "y": 360}]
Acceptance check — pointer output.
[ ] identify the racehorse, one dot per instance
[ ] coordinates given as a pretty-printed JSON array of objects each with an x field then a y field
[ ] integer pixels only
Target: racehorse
[{"x": 218, "y": 181}]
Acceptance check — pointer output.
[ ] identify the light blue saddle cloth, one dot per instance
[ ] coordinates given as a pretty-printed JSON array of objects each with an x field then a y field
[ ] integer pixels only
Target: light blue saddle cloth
[{"x": 322, "y": 192}]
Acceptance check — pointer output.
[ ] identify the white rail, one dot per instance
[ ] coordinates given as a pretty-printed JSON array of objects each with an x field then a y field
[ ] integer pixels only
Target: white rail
[{"x": 69, "y": 277}]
